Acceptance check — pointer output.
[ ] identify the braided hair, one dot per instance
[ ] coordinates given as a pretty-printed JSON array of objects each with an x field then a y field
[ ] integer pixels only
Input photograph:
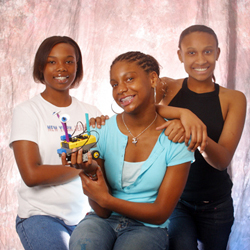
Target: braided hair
[{"x": 146, "y": 62}]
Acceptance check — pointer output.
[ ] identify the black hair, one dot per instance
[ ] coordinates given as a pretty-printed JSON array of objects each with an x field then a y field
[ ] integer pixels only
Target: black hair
[
  {"x": 197, "y": 28},
  {"x": 146, "y": 62},
  {"x": 43, "y": 53}
]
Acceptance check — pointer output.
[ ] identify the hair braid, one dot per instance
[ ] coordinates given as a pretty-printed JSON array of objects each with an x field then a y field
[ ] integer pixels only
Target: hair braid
[{"x": 146, "y": 62}]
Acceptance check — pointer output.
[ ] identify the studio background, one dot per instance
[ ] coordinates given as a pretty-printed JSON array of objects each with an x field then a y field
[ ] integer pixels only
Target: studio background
[{"x": 104, "y": 29}]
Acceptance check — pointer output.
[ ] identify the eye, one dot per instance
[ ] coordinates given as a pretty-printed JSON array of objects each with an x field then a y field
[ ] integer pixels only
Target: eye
[
  {"x": 113, "y": 84},
  {"x": 69, "y": 62},
  {"x": 208, "y": 52},
  {"x": 129, "y": 79},
  {"x": 191, "y": 52},
  {"x": 51, "y": 62}
]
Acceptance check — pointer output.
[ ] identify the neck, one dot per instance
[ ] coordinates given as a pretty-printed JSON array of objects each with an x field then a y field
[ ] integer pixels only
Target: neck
[
  {"x": 139, "y": 120},
  {"x": 200, "y": 86},
  {"x": 139, "y": 128},
  {"x": 57, "y": 98}
]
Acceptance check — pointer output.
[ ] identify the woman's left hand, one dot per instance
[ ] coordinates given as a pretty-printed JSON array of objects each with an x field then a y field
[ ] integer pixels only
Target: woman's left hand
[{"x": 97, "y": 190}]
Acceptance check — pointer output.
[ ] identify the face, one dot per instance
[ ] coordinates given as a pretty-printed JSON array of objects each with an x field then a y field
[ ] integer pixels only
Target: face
[
  {"x": 61, "y": 67},
  {"x": 132, "y": 86},
  {"x": 199, "y": 53}
]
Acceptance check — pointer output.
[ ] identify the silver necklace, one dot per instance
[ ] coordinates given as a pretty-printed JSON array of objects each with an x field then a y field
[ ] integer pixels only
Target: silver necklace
[{"x": 135, "y": 138}]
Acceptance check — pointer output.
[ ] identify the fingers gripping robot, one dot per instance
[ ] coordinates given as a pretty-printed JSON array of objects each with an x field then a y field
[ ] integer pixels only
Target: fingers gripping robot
[{"x": 71, "y": 143}]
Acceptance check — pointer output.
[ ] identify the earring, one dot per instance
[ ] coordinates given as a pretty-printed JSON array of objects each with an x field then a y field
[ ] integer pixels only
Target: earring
[
  {"x": 114, "y": 110},
  {"x": 154, "y": 94}
]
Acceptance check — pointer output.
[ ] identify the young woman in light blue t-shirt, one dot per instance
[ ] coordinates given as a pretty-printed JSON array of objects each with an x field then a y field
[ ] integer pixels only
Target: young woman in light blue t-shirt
[{"x": 141, "y": 173}]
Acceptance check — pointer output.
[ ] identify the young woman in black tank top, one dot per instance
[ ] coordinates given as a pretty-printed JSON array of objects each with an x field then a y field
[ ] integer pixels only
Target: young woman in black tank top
[{"x": 204, "y": 213}]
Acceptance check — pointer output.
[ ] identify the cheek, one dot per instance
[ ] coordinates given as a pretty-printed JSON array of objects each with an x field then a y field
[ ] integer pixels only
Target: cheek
[
  {"x": 188, "y": 62},
  {"x": 72, "y": 71},
  {"x": 75, "y": 70},
  {"x": 47, "y": 71},
  {"x": 45, "y": 75},
  {"x": 114, "y": 94}
]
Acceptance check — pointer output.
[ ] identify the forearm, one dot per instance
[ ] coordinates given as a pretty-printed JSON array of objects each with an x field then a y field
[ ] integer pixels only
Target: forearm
[
  {"x": 216, "y": 155},
  {"x": 100, "y": 211},
  {"x": 146, "y": 212},
  {"x": 33, "y": 172},
  {"x": 46, "y": 175},
  {"x": 170, "y": 112},
  {"x": 156, "y": 212}
]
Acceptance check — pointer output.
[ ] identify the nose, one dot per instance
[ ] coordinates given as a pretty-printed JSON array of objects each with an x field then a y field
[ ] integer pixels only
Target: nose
[
  {"x": 201, "y": 59},
  {"x": 122, "y": 88},
  {"x": 61, "y": 67}
]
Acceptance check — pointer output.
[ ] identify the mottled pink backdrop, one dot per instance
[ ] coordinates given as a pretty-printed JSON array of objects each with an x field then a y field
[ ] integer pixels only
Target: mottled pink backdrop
[{"x": 104, "y": 29}]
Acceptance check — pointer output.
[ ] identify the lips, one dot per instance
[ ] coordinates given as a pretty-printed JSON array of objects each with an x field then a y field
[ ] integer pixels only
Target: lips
[
  {"x": 126, "y": 100},
  {"x": 61, "y": 79}
]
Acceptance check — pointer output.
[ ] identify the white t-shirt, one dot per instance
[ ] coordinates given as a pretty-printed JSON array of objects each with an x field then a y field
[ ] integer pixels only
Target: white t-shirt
[
  {"x": 34, "y": 121},
  {"x": 130, "y": 172}
]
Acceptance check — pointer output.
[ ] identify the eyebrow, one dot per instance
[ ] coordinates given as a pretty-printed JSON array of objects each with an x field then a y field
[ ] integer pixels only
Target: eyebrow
[
  {"x": 66, "y": 56},
  {"x": 209, "y": 46}
]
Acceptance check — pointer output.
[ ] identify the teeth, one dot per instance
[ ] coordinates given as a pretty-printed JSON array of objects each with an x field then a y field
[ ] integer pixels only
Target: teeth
[
  {"x": 61, "y": 77},
  {"x": 204, "y": 69},
  {"x": 128, "y": 98}
]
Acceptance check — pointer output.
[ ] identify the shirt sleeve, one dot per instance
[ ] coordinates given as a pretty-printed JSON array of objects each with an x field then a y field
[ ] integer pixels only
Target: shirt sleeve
[
  {"x": 179, "y": 154},
  {"x": 24, "y": 126}
]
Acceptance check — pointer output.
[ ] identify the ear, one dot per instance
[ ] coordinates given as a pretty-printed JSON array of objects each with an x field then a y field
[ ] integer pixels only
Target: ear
[
  {"x": 218, "y": 54},
  {"x": 154, "y": 79},
  {"x": 179, "y": 53}
]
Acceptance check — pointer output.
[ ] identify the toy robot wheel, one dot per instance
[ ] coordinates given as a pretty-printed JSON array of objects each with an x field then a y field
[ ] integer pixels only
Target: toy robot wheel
[{"x": 95, "y": 154}]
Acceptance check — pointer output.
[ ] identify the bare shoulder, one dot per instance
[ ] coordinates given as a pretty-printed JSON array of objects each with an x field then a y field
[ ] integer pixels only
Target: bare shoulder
[
  {"x": 232, "y": 102},
  {"x": 168, "y": 88},
  {"x": 231, "y": 95}
]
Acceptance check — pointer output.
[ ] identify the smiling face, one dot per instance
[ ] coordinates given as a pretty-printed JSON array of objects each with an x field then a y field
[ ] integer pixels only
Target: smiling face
[
  {"x": 61, "y": 67},
  {"x": 132, "y": 86},
  {"x": 199, "y": 53}
]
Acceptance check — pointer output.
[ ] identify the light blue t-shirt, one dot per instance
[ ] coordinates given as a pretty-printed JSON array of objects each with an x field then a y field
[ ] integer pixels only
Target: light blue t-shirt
[{"x": 112, "y": 144}]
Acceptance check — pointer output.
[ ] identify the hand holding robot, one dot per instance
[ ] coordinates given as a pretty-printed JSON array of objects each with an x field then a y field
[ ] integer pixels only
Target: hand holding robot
[{"x": 75, "y": 150}]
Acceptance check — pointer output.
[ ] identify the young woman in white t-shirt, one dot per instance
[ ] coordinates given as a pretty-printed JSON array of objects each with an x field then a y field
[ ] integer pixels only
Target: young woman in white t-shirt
[{"x": 51, "y": 201}]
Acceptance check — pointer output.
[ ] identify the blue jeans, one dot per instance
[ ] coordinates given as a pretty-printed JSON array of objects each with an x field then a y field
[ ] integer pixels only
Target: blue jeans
[
  {"x": 210, "y": 224},
  {"x": 117, "y": 233},
  {"x": 42, "y": 232}
]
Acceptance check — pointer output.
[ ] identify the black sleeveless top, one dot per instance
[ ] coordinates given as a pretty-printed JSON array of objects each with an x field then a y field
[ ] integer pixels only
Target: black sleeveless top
[{"x": 204, "y": 183}]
